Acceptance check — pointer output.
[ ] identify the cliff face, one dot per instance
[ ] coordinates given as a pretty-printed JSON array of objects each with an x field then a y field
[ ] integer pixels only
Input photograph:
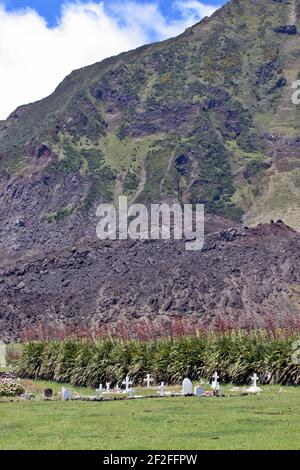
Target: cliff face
[{"x": 206, "y": 117}]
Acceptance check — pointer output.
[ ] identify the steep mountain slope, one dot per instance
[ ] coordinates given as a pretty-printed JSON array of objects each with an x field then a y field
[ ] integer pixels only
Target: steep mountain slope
[{"x": 206, "y": 117}]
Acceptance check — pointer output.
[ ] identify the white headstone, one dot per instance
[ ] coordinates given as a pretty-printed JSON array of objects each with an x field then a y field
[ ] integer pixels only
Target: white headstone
[
  {"x": 100, "y": 391},
  {"x": 127, "y": 382},
  {"x": 66, "y": 394},
  {"x": 148, "y": 380},
  {"x": 162, "y": 389},
  {"x": 198, "y": 391},
  {"x": 187, "y": 387},
  {"x": 107, "y": 387}
]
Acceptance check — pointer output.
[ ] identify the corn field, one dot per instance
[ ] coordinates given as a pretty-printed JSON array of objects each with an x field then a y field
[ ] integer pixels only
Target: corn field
[{"x": 235, "y": 355}]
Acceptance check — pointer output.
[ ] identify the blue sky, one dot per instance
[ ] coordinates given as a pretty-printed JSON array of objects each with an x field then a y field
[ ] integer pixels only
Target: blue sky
[
  {"x": 42, "y": 41},
  {"x": 50, "y": 9}
]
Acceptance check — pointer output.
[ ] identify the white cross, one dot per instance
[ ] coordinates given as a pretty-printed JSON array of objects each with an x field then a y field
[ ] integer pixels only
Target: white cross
[
  {"x": 162, "y": 389},
  {"x": 148, "y": 380},
  {"x": 127, "y": 382},
  {"x": 215, "y": 384},
  {"x": 254, "y": 388},
  {"x": 100, "y": 390}
]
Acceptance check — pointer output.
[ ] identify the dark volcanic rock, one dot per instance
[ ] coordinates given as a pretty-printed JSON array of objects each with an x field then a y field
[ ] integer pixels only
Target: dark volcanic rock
[{"x": 242, "y": 272}]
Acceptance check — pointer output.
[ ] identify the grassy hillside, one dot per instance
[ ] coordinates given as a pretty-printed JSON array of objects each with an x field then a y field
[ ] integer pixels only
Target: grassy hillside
[{"x": 202, "y": 118}]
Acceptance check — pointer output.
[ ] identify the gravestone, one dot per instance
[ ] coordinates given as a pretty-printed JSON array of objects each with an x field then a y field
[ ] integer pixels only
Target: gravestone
[
  {"x": 148, "y": 380},
  {"x": 254, "y": 388},
  {"x": 187, "y": 387},
  {"x": 198, "y": 391},
  {"x": 26, "y": 396},
  {"x": 127, "y": 382},
  {"x": 100, "y": 391},
  {"x": 215, "y": 384},
  {"x": 66, "y": 394},
  {"x": 131, "y": 393},
  {"x": 48, "y": 393},
  {"x": 3, "y": 361},
  {"x": 162, "y": 389},
  {"x": 107, "y": 387}
]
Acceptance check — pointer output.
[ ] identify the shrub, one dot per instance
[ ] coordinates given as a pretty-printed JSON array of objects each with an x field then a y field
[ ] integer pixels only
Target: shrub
[
  {"x": 9, "y": 388},
  {"x": 236, "y": 355}
]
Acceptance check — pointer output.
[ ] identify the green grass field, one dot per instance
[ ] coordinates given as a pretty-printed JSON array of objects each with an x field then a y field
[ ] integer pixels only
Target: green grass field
[{"x": 268, "y": 421}]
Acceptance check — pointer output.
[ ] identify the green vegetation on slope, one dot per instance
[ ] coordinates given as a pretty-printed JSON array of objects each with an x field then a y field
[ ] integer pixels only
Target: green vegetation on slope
[{"x": 214, "y": 92}]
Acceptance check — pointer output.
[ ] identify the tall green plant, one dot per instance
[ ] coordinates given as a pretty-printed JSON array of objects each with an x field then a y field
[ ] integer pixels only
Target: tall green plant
[{"x": 234, "y": 355}]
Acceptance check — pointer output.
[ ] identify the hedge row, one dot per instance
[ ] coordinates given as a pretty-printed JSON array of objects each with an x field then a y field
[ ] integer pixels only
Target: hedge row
[{"x": 234, "y": 355}]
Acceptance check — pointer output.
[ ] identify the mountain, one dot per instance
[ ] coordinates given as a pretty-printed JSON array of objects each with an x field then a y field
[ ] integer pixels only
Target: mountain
[{"x": 206, "y": 117}]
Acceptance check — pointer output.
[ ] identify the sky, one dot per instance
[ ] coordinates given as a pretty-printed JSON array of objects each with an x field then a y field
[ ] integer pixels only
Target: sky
[{"x": 42, "y": 41}]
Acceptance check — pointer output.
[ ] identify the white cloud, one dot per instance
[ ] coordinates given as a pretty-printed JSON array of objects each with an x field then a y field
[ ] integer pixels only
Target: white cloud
[
  {"x": 149, "y": 18},
  {"x": 192, "y": 10},
  {"x": 35, "y": 58}
]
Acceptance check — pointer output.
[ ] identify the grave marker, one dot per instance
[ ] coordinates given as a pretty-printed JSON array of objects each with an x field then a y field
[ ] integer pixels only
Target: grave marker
[
  {"x": 198, "y": 391},
  {"x": 100, "y": 391},
  {"x": 148, "y": 380},
  {"x": 3, "y": 361},
  {"x": 215, "y": 384},
  {"x": 127, "y": 382},
  {"x": 254, "y": 388},
  {"x": 48, "y": 393},
  {"x": 162, "y": 389},
  {"x": 26, "y": 396},
  {"x": 131, "y": 393},
  {"x": 66, "y": 394},
  {"x": 187, "y": 387}
]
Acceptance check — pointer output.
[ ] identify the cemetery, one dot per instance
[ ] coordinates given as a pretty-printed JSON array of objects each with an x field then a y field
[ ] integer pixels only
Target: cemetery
[
  {"x": 219, "y": 391},
  {"x": 13, "y": 387},
  {"x": 48, "y": 415}
]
